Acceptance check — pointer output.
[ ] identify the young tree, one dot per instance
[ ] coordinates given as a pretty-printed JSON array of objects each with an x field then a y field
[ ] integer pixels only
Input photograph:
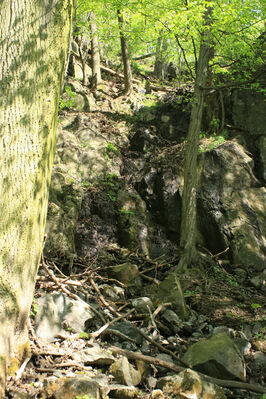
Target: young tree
[
  {"x": 125, "y": 55},
  {"x": 35, "y": 38},
  {"x": 188, "y": 217},
  {"x": 95, "y": 53}
]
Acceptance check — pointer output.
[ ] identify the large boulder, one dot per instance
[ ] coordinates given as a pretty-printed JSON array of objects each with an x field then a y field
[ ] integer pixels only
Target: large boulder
[
  {"x": 217, "y": 357},
  {"x": 231, "y": 206}
]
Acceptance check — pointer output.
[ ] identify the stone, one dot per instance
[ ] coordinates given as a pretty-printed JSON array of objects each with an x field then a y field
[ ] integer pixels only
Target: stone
[
  {"x": 173, "y": 321},
  {"x": 123, "y": 392},
  {"x": 125, "y": 373},
  {"x": 129, "y": 329},
  {"x": 217, "y": 357},
  {"x": 258, "y": 364},
  {"x": 231, "y": 206},
  {"x": 143, "y": 305},
  {"x": 54, "y": 310},
  {"x": 259, "y": 281},
  {"x": 126, "y": 272},
  {"x": 188, "y": 384},
  {"x": 169, "y": 291},
  {"x": 72, "y": 387},
  {"x": 94, "y": 355},
  {"x": 249, "y": 111},
  {"x": 262, "y": 155}
]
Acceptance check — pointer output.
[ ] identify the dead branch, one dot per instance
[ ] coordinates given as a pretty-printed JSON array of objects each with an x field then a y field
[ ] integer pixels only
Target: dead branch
[
  {"x": 178, "y": 369},
  {"x": 107, "y": 325},
  {"x": 66, "y": 291}
]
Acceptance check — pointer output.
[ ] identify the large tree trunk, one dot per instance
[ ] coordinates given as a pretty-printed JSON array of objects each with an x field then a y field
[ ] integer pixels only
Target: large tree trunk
[
  {"x": 188, "y": 217},
  {"x": 95, "y": 54},
  {"x": 125, "y": 55},
  {"x": 34, "y": 41}
]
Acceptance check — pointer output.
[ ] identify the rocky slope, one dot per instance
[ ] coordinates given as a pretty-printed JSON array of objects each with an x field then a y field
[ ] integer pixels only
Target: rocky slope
[{"x": 112, "y": 243}]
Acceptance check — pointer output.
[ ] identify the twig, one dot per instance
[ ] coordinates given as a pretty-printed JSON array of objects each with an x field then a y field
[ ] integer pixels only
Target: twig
[
  {"x": 107, "y": 325},
  {"x": 66, "y": 291},
  {"x": 162, "y": 348},
  {"x": 103, "y": 300},
  {"x": 178, "y": 369},
  {"x": 220, "y": 253}
]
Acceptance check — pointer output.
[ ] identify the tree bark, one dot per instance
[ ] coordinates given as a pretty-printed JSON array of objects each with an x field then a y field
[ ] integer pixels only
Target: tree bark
[
  {"x": 188, "y": 217},
  {"x": 34, "y": 42},
  {"x": 125, "y": 55},
  {"x": 160, "y": 65},
  {"x": 95, "y": 54}
]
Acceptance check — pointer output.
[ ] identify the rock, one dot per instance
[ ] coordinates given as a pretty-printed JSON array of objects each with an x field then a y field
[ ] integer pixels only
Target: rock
[
  {"x": 217, "y": 357},
  {"x": 94, "y": 355},
  {"x": 54, "y": 309},
  {"x": 143, "y": 305},
  {"x": 188, "y": 384},
  {"x": 231, "y": 206},
  {"x": 126, "y": 272},
  {"x": 123, "y": 392},
  {"x": 258, "y": 364},
  {"x": 240, "y": 275},
  {"x": 72, "y": 387},
  {"x": 133, "y": 221},
  {"x": 173, "y": 321},
  {"x": 262, "y": 154},
  {"x": 243, "y": 345},
  {"x": 146, "y": 114},
  {"x": 249, "y": 111},
  {"x": 125, "y": 373},
  {"x": 157, "y": 394},
  {"x": 128, "y": 329},
  {"x": 169, "y": 291},
  {"x": 259, "y": 281}
]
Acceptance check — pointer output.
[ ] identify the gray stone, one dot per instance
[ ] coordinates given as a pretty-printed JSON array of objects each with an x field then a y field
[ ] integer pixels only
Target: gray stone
[
  {"x": 232, "y": 208},
  {"x": 123, "y": 392},
  {"x": 218, "y": 357},
  {"x": 169, "y": 291},
  {"x": 94, "y": 355},
  {"x": 189, "y": 384},
  {"x": 56, "y": 309},
  {"x": 125, "y": 272},
  {"x": 127, "y": 328},
  {"x": 125, "y": 373},
  {"x": 262, "y": 155},
  {"x": 143, "y": 304},
  {"x": 259, "y": 281},
  {"x": 249, "y": 111},
  {"x": 71, "y": 387},
  {"x": 174, "y": 322},
  {"x": 258, "y": 364}
]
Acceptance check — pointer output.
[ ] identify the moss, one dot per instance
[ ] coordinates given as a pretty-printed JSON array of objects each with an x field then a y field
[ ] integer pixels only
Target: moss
[{"x": 22, "y": 353}]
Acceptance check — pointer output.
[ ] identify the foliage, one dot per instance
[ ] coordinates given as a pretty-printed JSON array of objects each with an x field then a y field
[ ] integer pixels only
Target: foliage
[
  {"x": 34, "y": 308},
  {"x": 69, "y": 100},
  {"x": 235, "y": 27},
  {"x": 109, "y": 149}
]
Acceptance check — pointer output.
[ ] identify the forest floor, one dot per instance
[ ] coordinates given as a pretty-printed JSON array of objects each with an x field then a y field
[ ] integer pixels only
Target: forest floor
[{"x": 214, "y": 297}]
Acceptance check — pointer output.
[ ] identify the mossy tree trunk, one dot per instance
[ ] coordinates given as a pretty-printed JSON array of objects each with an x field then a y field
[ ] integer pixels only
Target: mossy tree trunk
[
  {"x": 34, "y": 41},
  {"x": 95, "y": 54},
  {"x": 125, "y": 54},
  {"x": 188, "y": 216}
]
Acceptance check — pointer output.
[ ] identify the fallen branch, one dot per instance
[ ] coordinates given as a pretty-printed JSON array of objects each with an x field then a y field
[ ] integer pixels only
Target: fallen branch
[
  {"x": 66, "y": 291},
  {"x": 178, "y": 369},
  {"x": 107, "y": 325}
]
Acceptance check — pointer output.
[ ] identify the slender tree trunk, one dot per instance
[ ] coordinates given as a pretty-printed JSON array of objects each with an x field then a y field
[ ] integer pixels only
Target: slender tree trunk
[
  {"x": 188, "y": 217},
  {"x": 34, "y": 41},
  {"x": 160, "y": 64},
  {"x": 125, "y": 55},
  {"x": 95, "y": 54}
]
